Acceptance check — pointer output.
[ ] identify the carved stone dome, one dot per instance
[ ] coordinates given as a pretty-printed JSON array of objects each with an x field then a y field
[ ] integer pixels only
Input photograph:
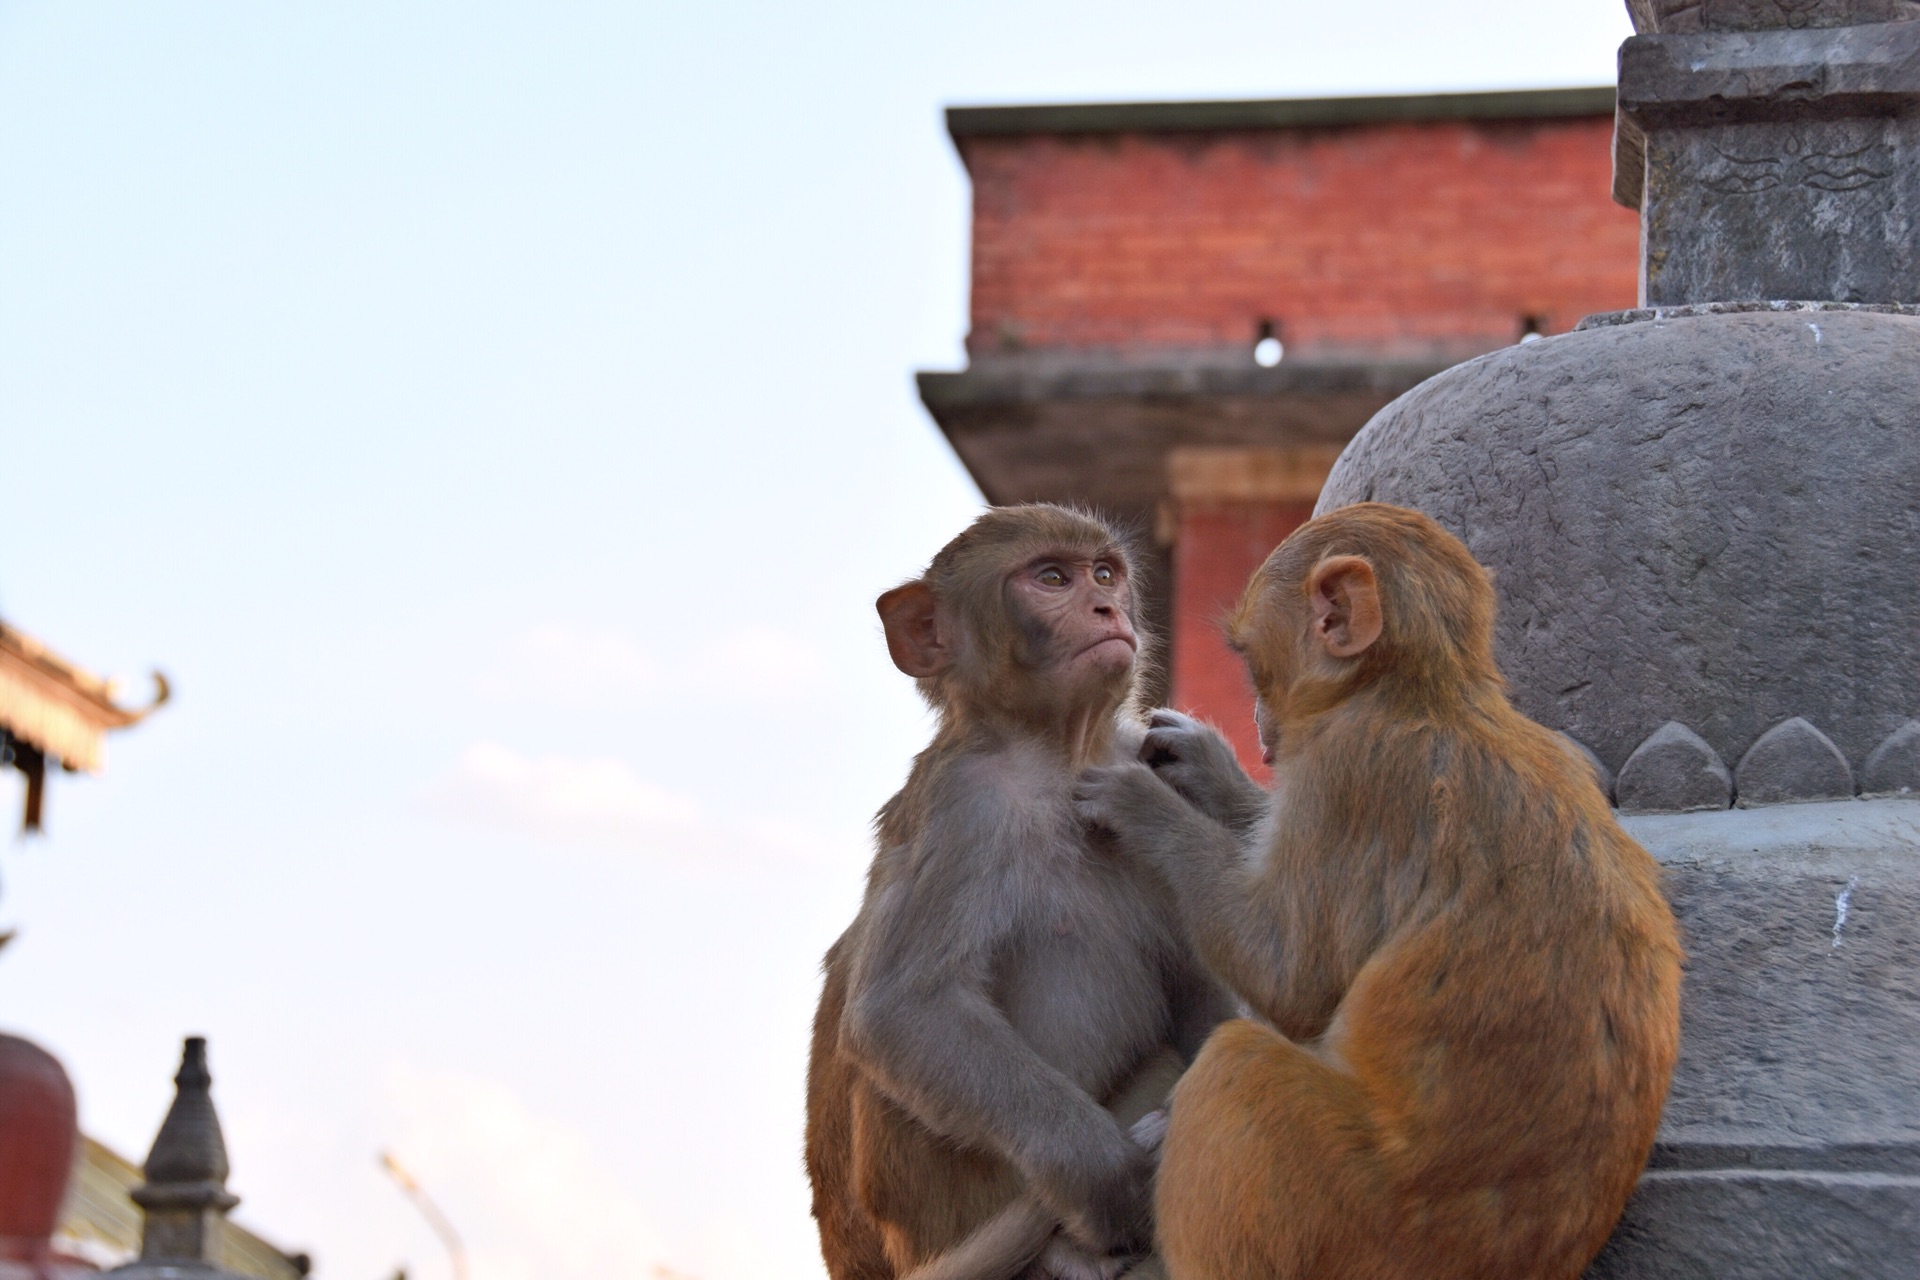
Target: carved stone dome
[{"x": 1708, "y": 520}]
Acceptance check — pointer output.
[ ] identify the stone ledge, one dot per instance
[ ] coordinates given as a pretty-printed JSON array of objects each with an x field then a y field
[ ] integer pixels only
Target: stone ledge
[
  {"x": 1834, "y": 826},
  {"x": 1731, "y": 75},
  {"x": 1024, "y": 381},
  {"x": 1902, "y": 1159},
  {"x": 1686, "y": 311}
]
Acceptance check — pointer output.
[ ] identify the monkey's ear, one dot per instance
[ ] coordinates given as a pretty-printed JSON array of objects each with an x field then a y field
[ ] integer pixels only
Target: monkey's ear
[
  {"x": 911, "y": 616},
  {"x": 1346, "y": 605}
]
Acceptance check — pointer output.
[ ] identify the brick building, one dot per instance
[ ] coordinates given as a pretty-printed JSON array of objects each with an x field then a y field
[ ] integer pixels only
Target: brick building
[{"x": 1182, "y": 311}]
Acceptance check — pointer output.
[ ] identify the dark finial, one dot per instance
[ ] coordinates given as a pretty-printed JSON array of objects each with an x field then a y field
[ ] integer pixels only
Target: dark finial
[{"x": 190, "y": 1147}]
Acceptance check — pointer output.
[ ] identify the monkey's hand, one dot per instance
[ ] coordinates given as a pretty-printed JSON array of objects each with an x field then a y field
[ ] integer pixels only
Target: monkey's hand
[
  {"x": 1147, "y": 820},
  {"x": 1193, "y": 758},
  {"x": 1102, "y": 1190},
  {"x": 1149, "y": 1131},
  {"x": 1064, "y": 1260}
]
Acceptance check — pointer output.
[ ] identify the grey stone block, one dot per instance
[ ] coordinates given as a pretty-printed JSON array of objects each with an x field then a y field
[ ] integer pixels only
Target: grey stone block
[
  {"x": 1774, "y": 163},
  {"x": 1764, "y": 1224},
  {"x": 1674, "y": 771},
  {"x": 1602, "y": 776},
  {"x": 1790, "y": 1144},
  {"x": 1800, "y": 1011},
  {"x": 1686, "y": 17},
  {"x": 1792, "y": 762},
  {"x": 1894, "y": 767},
  {"x": 1713, "y": 520}
]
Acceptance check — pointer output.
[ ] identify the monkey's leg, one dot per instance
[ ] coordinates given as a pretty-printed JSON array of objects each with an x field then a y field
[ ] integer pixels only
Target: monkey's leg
[
  {"x": 1268, "y": 1171},
  {"x": 1006, "y": 1243},
  {"x": 997, "y": 1249}
]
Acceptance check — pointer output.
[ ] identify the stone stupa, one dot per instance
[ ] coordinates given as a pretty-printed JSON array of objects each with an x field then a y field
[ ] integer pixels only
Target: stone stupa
[
  {"x": 184, "y": 1200},
  {"x": 1703, "y": 516}
]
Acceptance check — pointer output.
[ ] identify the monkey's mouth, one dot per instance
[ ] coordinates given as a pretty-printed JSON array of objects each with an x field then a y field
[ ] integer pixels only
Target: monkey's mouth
[{"x": 1133, "y": 645}]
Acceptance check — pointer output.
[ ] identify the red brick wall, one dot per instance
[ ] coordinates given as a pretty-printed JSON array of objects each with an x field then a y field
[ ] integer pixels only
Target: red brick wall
[
  {"x": 1384, "y": 239},
  {"x": 1218, "y": 547}
]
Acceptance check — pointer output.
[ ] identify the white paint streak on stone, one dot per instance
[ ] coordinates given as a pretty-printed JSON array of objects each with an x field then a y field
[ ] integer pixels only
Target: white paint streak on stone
[
  {"x": 1816, "y": 332},
  {"x": 1841, "y": 904}
]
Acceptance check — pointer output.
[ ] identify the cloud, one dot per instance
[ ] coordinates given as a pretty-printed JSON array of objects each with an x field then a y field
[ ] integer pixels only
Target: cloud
[
  {"x": 602, "y": 802},
  {"x": 588, "y": 667},
  {"x": 760, "y": 663}
]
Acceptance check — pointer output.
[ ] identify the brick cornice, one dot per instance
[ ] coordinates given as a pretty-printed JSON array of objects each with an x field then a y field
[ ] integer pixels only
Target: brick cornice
[{"x": 1275, "y": 113}]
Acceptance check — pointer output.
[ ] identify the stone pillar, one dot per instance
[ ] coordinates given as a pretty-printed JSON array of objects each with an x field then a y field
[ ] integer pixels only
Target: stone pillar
[
  {"x": 1227, "y": 509},
  {"x": 1703, "y": 517},
  {"x": 1773, "y": 149}
]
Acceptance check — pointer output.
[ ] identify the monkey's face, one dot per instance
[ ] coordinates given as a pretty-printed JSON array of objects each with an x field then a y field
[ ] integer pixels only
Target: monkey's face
[
  {"x": 1273, "y": 631},
  {"x": 1074, "y": 613}
]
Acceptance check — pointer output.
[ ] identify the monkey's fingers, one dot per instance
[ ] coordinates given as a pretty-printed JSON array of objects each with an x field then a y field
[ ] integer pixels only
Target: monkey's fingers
[
  {"x": 1164, "y": 747},
  {"x": 1150, "y": 1130},
  {"x": 1163, "y": 741},
  {"x": 1189, "y": 735},
  {"x": 1093, "y": 795}
]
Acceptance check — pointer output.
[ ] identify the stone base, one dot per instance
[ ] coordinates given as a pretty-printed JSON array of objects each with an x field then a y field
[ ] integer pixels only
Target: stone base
[
  {"x": 1790, "y": 1147},
  {"x": 1759, "y": 1225}
]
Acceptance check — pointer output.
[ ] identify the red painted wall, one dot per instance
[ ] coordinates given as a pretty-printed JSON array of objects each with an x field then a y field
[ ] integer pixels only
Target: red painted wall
[
  {"x": 1420, "y": 240},
  {"x": 1383, "y": 239},
  {"x": 1218, "y": 548}
]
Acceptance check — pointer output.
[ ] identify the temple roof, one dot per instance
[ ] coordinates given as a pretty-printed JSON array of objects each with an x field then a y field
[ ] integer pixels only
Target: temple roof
[{"x": 59, "y": 708}]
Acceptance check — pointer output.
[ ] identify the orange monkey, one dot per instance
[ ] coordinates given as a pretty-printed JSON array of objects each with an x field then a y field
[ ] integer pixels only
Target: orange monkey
[{"x": 1468, "y": 976}]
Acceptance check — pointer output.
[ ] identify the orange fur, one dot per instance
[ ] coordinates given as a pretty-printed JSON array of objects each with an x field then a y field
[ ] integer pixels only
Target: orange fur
[{"x": 1470, "y": 972}]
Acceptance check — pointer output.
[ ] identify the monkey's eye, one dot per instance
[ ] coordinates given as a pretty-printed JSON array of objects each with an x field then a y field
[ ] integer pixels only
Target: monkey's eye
[
  {"x": 1103, "y": 574},
  {"x": 1052, "y": 576}
]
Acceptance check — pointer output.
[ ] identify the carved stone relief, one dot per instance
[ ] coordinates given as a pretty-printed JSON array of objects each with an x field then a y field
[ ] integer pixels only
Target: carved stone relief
[{"x": 1810, "y": 209}]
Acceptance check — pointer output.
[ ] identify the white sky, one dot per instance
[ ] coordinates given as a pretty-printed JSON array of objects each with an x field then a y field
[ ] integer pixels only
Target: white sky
[{"x": 498, "y": 420}]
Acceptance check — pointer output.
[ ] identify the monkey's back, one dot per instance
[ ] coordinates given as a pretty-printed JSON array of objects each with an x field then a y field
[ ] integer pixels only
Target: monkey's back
[
  {"x": 1521, "y": 1027},
  {"x": 850, "y": 1240}
]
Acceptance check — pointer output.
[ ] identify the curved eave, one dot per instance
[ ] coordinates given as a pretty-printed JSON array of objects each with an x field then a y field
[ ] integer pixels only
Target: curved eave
[{"x": 54, "y": 706}]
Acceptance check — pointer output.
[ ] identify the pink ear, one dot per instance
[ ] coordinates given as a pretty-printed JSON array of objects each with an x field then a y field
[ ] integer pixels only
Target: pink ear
[
  {"x": 910, "y": 615},
  {"x": 1346, "y": 605}
]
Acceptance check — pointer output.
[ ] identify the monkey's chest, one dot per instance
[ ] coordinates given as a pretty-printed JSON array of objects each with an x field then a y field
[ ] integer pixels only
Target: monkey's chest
[{"x": 1083, "y": 980}]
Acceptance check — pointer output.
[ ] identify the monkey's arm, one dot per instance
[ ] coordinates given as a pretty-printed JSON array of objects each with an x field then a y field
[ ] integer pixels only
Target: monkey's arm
[
  {"x": 1199, "y": 1004},
  {"x": 922, "y": 1025},
  {"x": 1193, "y": 758},
  {"x": 1027, "y": 1230},
  {"x": 1201, "y": 860}
]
